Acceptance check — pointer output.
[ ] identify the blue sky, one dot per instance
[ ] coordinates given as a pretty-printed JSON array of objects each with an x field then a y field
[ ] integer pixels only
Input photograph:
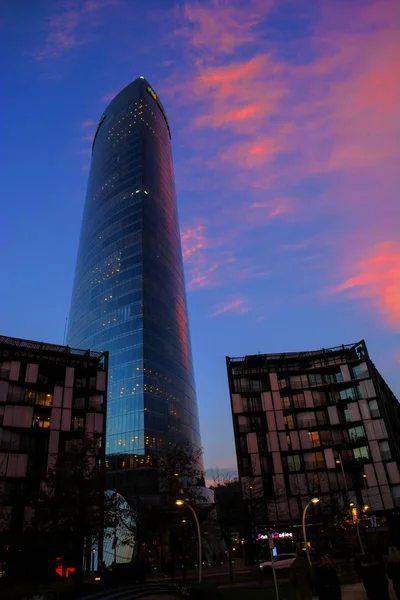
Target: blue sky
[{"x": 286, "y": 138}]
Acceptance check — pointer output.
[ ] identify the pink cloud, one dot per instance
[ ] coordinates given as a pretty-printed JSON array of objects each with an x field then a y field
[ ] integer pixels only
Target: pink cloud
[
  {"x": 70, "y": 26},
  {"x": 330, "y": 118},
  {"x": 88, "y": 123},
  {"x": 235, "y": 306},
  {"x": 376, "y": 279},
  {"x": 222, "y": 26}
]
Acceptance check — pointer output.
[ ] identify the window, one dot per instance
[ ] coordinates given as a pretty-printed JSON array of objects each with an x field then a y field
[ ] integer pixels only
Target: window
[
  {"x": 374, "y": 409},
  {"x": 289, "y": 442},
  {"x": 282, "y": 383},
  {"x": 355, "y": 433},
  {"x": 246, "y": 467},
  {"x": 78, "y": 423},
  {"x": 298, "y": 382},
  {"x": 289, "y": 422},
  {"x": 79, "y": 403},
  {"x": 314, "y": 460},
  {"x": 319, "y": 398},
  {"x": 264, "y": 464},
  {"x": 349, "y": 393},
  {"x": 321, "y": 417},
  {"x": 294, "y": 463},
  {"x": 314, "y": 438},
  {"x": 319, "y": 379},
  {"x": 299, "y": 401},
  {"x": 326, "y": 437},
  {"x": 396, "y": 495},
  {"x": 361, "y": 453},
  {"x": 44, "y": 399},
  {"x": 30, "y": 397},
  {"x": 262, "y": 443},
  {"x": 285, "y": 402},
  {"x": 243, "y": 424},
  {"x": 252, "y": 404},
  {"x": 360, "y": 371},
  {"x": 385, "y": 450},
  {"x": 41, "y": 421},
  {"x": 306, "y": 419},
  {"x": 243, "y": 443},
  {"x": 347, "y": 415}
]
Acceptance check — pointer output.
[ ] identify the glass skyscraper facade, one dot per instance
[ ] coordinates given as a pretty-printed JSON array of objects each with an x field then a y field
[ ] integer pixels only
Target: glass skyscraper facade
[{"x": 129, "y": 291}]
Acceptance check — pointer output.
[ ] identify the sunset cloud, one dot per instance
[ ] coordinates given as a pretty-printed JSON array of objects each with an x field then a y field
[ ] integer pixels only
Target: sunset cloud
[
  {"x": 377, "y": 280},
  {"x": 235, "y": 306},
  {"x": 70, "y": 26}
]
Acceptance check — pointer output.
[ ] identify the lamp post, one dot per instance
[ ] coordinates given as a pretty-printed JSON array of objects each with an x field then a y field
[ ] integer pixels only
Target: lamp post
[
  {"x": 312, "y": 501},
  {"x": 181, "y": 502},
  {"x": 340, "y": 462}
]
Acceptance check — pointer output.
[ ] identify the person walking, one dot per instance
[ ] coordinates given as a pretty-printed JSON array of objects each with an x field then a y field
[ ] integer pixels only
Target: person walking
[
  {"x": 301, "y": 577},
  {"x": 393, "y": 569},
  {"x": 327, "y": 584}
]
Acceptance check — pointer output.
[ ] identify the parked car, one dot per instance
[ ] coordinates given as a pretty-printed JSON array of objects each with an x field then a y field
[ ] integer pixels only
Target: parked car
[{"x": 282, "y": 561}]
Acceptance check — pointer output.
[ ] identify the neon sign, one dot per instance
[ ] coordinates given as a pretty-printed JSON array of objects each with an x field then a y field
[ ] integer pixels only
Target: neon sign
[{"x": 276, "y": 535}]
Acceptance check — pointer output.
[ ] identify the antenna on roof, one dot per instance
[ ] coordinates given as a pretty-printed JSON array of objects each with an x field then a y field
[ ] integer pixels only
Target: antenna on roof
[{"x": 65, "y": 330}]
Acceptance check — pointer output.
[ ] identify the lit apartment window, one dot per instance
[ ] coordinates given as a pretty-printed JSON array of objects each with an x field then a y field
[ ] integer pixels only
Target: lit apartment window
[
  {"x": 349, "y": 393},
  {"x": 356, "y": 433},
  {"x": 314, "y": 438},
  {"x": 361, "y": 453},
  {"x": 41, "y": 421},
  {"x": 44, "y": 399}
]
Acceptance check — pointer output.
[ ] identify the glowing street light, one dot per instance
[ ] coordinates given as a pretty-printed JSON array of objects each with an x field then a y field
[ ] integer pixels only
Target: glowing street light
[
  {"x": 181, "y": 502},
  {"x": 312, "y": 501}
]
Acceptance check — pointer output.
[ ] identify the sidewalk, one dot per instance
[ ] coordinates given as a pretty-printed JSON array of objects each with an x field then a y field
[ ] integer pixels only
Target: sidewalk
[{"x": 356, "y": 591}]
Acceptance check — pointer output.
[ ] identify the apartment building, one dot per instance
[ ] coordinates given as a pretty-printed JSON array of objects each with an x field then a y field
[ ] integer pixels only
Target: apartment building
[
  {"x": 51, "y": 397},
  {"x": 321, "y": 423}
]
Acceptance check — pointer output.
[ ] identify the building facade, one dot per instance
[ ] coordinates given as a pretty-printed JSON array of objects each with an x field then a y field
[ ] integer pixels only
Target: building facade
[
  {"x": 51, "y": 397},
  {"x": 129, "y": 291},
  {"x": 314, "y": 424}
]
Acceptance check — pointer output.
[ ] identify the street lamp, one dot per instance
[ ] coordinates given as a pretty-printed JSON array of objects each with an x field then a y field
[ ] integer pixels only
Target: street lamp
[
  {"x": 312, "y": 501},
  {"x": 181, "y": 502}
]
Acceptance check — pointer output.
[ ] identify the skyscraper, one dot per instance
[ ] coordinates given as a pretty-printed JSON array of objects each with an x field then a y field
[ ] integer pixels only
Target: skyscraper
[{"x": 129, "y": 291}]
